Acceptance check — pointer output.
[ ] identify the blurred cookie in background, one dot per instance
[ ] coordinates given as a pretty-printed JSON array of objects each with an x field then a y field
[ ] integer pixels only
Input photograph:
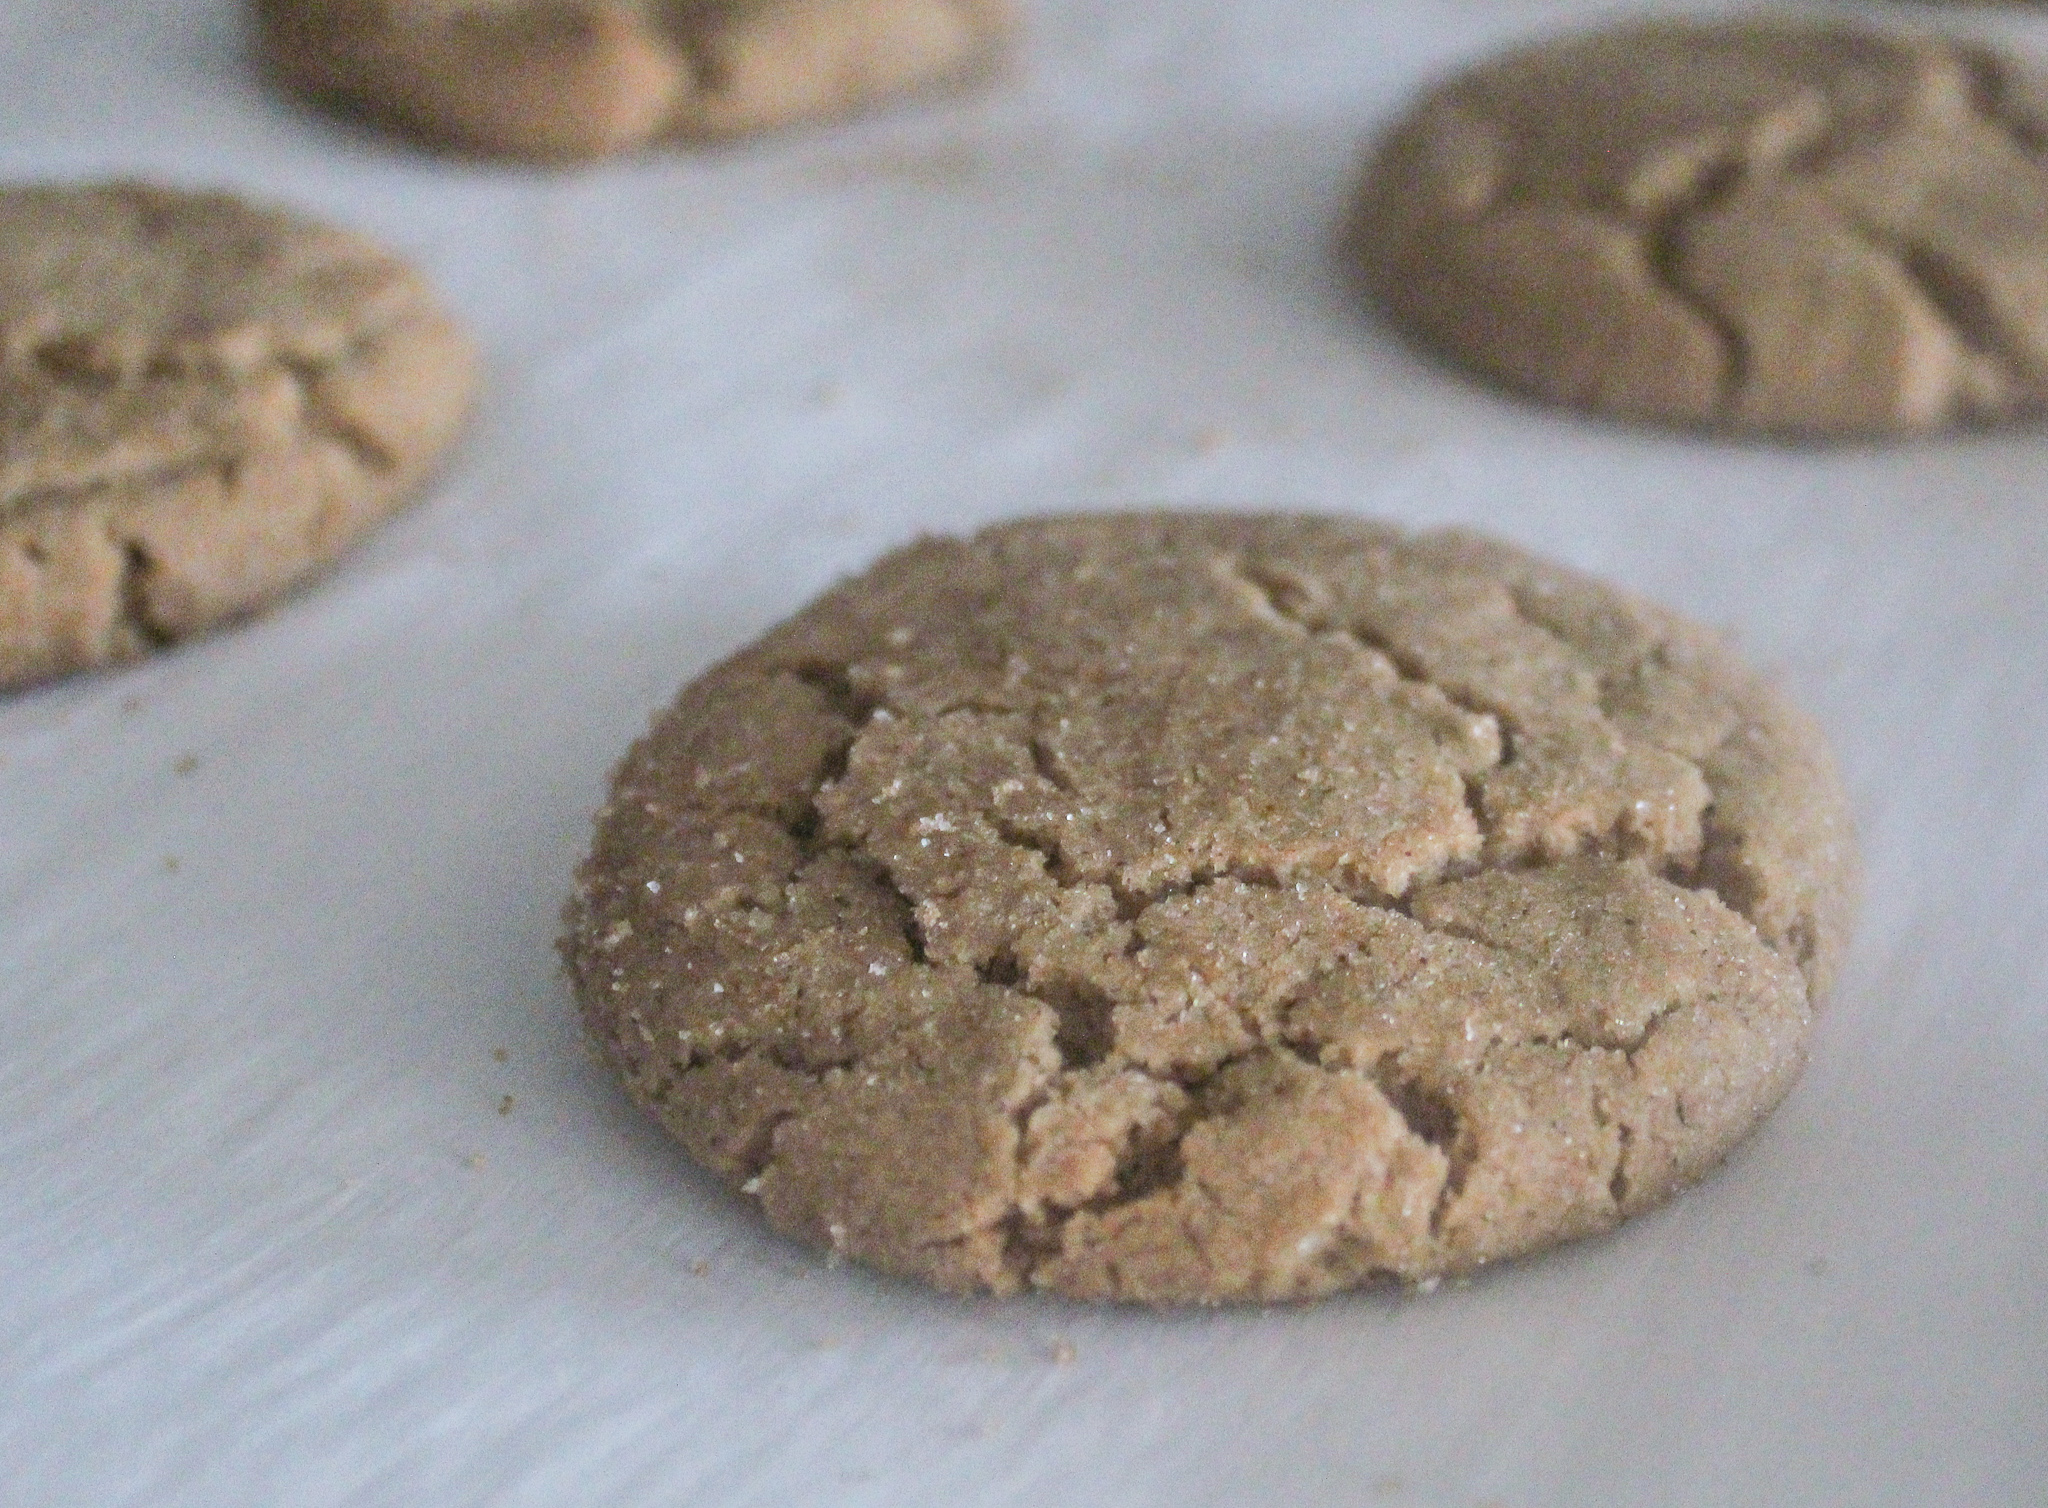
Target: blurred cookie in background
[
  {"x": 201, "y": 400},
  {"x": 561, "y": 80},
  {"x": 1801, "y": 230}
]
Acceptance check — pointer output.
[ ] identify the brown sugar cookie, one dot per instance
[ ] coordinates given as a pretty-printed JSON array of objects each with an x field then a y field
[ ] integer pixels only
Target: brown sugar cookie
[
  {"x": 564, "y": 79},
  {"x": 200, "y": 401},
  {"x": 1194, "y": 907},
  {"x": 1778, "y": 228}
]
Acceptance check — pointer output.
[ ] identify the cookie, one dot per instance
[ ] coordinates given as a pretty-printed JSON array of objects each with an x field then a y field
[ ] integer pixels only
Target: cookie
[
  {"x": 554, "y": 80},
  {"x": 1189, "y": 907},
  {"x": 200, "y": 402},
  {"x": 1774, "y": 228}
]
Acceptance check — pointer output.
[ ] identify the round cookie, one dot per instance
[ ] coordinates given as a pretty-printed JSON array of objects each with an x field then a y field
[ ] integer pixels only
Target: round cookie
[
  {"x": 551, "y": 80},
  {"x": 200, "y": 401},
  {"x": 1189, "y": 907},
  {"x": 1765, "y": 227}
]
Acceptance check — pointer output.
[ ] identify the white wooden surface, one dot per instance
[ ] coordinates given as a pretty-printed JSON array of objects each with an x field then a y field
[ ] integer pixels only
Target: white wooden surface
[{"x": 265, "y": 1237}]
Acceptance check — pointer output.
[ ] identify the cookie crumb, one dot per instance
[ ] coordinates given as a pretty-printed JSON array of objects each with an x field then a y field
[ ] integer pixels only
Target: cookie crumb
[
  {"x": 700, "y": 1268},
  {"x": 1062, "y": 1353},
  {"x": 184, "y": 764},
  {"x": 505, "y": 1105},
  {"x": 499, "y": 1055},
  {"x": 130, "y": 705},
  {"x": 474, "y": 1161},
  {"x": 1387, "y": 1485},
  {"x": 170, "y": 863}
]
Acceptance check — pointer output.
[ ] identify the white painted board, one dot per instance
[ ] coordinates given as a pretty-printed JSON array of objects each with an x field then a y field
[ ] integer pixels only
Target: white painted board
[{"x": 271, "y": 905}]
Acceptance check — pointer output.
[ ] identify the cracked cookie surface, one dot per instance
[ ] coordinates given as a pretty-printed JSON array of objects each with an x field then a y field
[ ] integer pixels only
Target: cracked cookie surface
[
  {"x": 1186, "y": 907},
  {"x": 1763, "y": 227},
  {"x": 558, "y": 80},
  {"x": 200, "y": 401}
]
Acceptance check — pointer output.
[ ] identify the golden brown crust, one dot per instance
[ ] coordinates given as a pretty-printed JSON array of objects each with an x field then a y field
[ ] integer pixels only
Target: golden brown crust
[
  {"x": 1187, "y": 907},
  {"x": 564, "y": 80},
  {"x": 200, "y": 401},
  {"x": 1769, "y": 227}
]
